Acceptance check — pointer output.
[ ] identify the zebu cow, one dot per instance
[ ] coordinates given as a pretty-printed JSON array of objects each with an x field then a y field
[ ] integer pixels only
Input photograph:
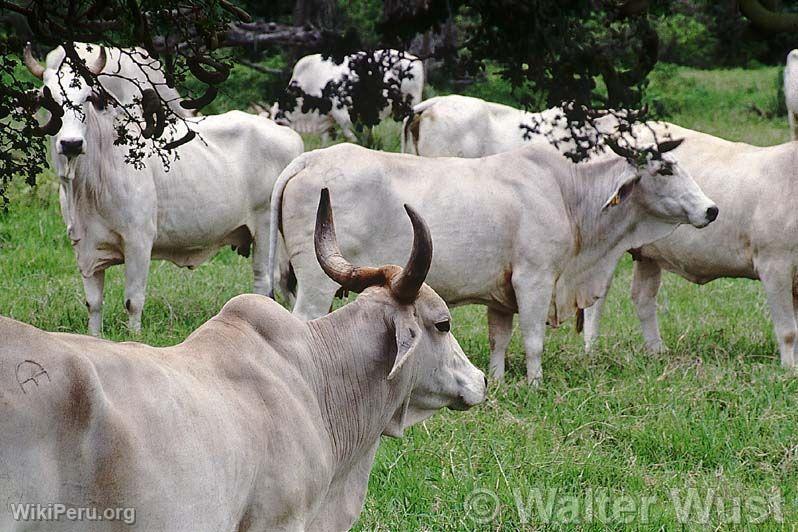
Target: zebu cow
[
  {"x": 257, "y": 422},
  {"x": 756, "y": 236},
  {"x": 463, "y": 126},
  {"x": 217, "y": 193},
  {"x": 312, "y": 73},
  {"x": 791, "y": 92},
  {"x": 524, "y": 231}
]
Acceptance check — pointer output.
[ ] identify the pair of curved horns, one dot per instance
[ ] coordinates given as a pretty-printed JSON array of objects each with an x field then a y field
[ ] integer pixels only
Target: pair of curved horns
[
  {"x": 404, "y": 283},
  {"x": 663, "y": 147},
  {"x": 95, "y": 67}
]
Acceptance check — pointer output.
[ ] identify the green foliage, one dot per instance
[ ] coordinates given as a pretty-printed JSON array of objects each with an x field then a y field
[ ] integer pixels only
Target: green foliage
[
  {"x": 492, "y": 88},
  {"x": 685, "y": 40},
  {"x": 730, "y": 103},
  {"x": 363, "y": 15},
  {"x": 21, "y": 153},
  {"x": 246, "y": 86}
]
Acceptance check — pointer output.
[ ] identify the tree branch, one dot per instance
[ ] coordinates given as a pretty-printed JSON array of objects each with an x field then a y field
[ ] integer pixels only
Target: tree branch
[
  {"x": 261, "y": 34},
  {"x": 766, "y": 20},
  {"x": 259, "y": 68}
]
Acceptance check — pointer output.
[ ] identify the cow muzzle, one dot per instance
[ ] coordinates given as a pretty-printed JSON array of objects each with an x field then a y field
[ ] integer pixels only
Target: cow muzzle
[
  {"x": 70, "y": 147},
  {"x": 472, "y": 392},
  {"x": 709, "y": 216}
]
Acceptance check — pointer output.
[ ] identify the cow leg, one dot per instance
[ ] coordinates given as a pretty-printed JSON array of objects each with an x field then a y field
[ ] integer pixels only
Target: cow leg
[
  {"x": 777, "y": 280},
  {"x": 315, "y": 294},
  {"x": 260, "y": 260},
  {"x": 341, "y": 117},
  {"x": 793, "y": 119},
  {"x": 500, "y": 330},
  {"x": 137, "y": 268},
  {"x": 795, "y": 313},
  {"x": 646, "y": 278},
  {"x": 93, "y": 287},
  {"x": 533, "y": 293},
  {"x": 592, "y": 322}
]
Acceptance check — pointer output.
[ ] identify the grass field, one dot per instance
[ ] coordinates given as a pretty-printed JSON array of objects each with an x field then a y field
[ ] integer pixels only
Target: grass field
[{"x": 716, "y": 414}]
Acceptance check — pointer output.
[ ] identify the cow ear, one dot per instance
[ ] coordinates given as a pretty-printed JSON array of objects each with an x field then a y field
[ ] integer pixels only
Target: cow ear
[
  {"x": 622, "y": 192},
  {"x": 408, "y": 336}
]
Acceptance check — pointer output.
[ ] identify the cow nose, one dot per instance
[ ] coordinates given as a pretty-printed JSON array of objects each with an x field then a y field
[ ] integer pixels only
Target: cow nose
[
  {"x": 712, "y": 213},
  {"x": 72, "y": 147}
]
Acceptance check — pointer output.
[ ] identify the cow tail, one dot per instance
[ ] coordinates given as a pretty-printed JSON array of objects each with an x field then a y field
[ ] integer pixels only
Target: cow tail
[
  {"x": 406, "y": 132},
  {"x": 410, "y": 130},
  {"x": 275, "y": 215}
]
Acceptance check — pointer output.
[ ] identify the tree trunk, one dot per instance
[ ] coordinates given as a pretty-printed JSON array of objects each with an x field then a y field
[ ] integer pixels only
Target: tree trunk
[
  {"x": 400, "y": 9},
  {"x": 316, "y": 13}
]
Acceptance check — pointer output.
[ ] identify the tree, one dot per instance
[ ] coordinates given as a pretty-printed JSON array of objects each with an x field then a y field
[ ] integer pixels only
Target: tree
[
  {"x": 585, "y": 55},
  {"x": 316, "y": 13},
  {"x": 183, "y": 35}
]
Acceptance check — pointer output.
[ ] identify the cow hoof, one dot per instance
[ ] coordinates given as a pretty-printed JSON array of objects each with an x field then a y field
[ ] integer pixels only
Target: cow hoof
[
  {"x": 656, "y": 348},
  {"x": 496, "y": 375},
  {"x": 534, "y": 382}
]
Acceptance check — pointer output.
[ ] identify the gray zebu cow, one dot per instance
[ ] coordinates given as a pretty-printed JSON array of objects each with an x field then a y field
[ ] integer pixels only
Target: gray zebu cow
[
  {"x": 524, "y": 231},
  {"x": 257, "y": 422},
  {"x": 755, "y": 238},
  {"x": 463, "y": 126},
  {"x": 217, "y": 193}
]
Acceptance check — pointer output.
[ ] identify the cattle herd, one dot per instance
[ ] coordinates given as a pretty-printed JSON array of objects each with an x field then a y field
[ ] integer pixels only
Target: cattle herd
[{"x": 274, "y": 418}]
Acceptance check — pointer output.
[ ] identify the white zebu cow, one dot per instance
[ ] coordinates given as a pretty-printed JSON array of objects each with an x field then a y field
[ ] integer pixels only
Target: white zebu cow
[
  {"x": 217, "y": 193},
  {"x": 257, "y": 422},
  {"x": 756, "y": 237},
  {"x": 524, "y": 231},
  {"x": 791, "y": 92},
  {"x": 463, "y": 126},
  {"x": 312, "y": 73}
]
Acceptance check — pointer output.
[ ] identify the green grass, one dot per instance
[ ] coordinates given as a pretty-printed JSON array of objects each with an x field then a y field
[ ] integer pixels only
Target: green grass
[{"x": 715, "y": 412}]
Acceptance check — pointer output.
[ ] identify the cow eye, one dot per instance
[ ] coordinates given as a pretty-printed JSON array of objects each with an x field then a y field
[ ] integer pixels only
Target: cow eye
[
  {"x": 443, "y": 326},
  {"x": 97, "y": 101}
]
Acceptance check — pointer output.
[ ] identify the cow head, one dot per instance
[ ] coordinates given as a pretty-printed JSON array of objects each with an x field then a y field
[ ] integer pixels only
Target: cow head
[
  {"x": 441, "y": 373},
  {"x": 278, "y": 117},
  {"x": 663, "y": 187},
  {"x": 65, "y": 87}
]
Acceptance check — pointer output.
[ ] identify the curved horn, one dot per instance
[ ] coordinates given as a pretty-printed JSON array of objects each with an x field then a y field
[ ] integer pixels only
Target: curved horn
[
  {"x": 98, "y": 64},
  {"x": 33, "y": 65},
  {"x": 406, "y": 285},
  {"x": 669, "y": 145},
  {"x": 623, "y": 152},
  {"x": 328, "y": 253},
  {"x": 56, "y": 112}
]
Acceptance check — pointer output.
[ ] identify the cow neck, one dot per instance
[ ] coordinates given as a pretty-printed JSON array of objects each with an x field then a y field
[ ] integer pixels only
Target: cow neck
[
  {"x": 352, "y": 358},
  {"x": 101, "y": 162},
  {"x": 599, "y": 237}
]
